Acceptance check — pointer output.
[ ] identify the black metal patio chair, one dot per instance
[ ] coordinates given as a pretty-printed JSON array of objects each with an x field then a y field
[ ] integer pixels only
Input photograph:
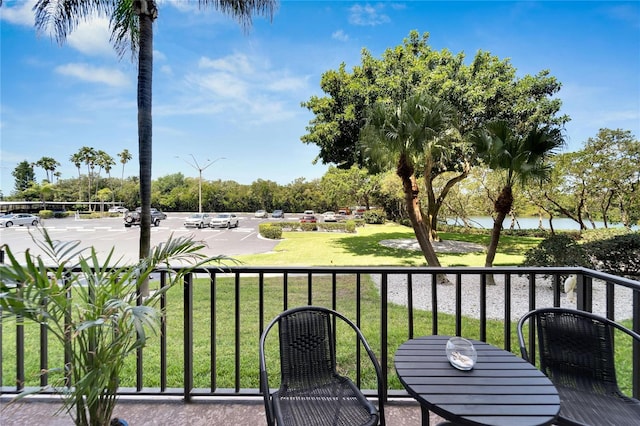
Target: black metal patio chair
[
  {"x": 311, "y": 391},
  {"x": 576, "y": 352}
]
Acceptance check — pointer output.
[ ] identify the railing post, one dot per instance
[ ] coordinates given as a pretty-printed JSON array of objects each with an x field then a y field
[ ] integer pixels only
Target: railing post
[
  {"x": 636, "y": 346},
  {"x": 384, "y": 334},
  {"x": 584, "y": 293},
  {"x": 188, "y": 336}
]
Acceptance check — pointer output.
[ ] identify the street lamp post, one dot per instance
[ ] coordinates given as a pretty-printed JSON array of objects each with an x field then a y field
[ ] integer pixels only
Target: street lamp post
[{"x": 197, "y": 166}]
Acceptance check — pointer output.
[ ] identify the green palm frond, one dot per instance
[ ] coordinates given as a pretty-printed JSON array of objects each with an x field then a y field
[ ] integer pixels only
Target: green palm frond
[
  {"x": 419, "y": 127},
  {"x": 94, "y": 311},
  {"x": 522, "y": 158}
]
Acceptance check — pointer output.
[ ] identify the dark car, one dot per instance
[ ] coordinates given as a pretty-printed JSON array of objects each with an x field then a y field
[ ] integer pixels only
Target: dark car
[
  {"x": 278, "y": 214},
  {"x": 308, "y": 218},
  {"x": 133, "y": 218}
]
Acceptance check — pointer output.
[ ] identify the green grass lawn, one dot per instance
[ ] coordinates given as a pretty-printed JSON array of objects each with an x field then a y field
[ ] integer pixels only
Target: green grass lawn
[
  {"x": 364, "y": 249},
  {"x": 296, "y": 249}
]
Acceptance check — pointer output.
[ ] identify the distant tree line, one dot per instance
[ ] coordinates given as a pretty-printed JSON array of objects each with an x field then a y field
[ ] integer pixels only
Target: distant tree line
[{"x": 600, "y": 182}]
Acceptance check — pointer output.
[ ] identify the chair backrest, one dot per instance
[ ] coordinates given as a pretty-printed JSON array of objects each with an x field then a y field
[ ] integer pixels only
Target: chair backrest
[
  {"x": 576, "y": 348},
  {"x": 307, "y": 349}
]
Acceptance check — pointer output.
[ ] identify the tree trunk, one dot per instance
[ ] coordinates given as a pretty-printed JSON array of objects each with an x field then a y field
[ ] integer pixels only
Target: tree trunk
[
  {"x": 410, "y": 188},
  {"x": 502, "y": 207},
  {"x": 147, "y": 14},
  {"x": 435, "y": 203}
]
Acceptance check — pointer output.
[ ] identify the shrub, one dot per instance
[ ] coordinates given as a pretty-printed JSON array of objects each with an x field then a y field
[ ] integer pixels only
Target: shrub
[
  {"x": 557, "y": 250},
  {"x": 602, "y": 234},
  {"x": 619, "y": 255},
  {"x": 350, "y": 226},
  {"x": 309, "y": 226},
  {"x": 374, "y": 216},
  {"x": 270, "y": 231},
  {"x": 45, "y": 214}
]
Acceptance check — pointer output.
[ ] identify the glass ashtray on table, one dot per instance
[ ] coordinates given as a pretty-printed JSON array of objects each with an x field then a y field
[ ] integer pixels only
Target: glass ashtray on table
[{"x": 461, "y": 353}]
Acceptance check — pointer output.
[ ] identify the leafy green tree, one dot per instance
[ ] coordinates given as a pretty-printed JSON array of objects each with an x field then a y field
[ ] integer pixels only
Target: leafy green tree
[
  {"x": 103, "y": 195},
  {"x": 24, "y": 176},
  {"x": 390, "y": 197},
  {"x": 103, "y": 162},
  {"x": 262, "y": 193},
  {"x": 569, "y": 191},
  {"x": 405, "y": 137},
  {"x": 131, "y": 24},
  {"x": 519, "y": 159},
  {"x": 486, "y": 89},
  {"x": 613, "y": 174}
]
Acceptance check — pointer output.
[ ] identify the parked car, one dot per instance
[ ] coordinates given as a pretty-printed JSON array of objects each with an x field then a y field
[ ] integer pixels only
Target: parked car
[
  {"x": 19, "y": 219},
  {"x": 118, "y": 209},
  {"x": 277, "y": 214},
  {"x": 198, "y": 220},
  {"x": 133, "y": 218},
  {"x": 329, "y": 217},
  {"x": 308, "y": 218},
  {"x": 225, "y": 220},
  {"x": 359, "y": 212},
  {"x": 262, "y": 214}
]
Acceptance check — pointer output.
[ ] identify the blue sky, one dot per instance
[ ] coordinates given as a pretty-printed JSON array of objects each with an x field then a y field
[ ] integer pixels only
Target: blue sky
[{"x": 220, "y": 92}]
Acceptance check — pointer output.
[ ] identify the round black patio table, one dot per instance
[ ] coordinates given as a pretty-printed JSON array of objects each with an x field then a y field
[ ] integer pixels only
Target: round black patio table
[{"x": 502, "y": 388}]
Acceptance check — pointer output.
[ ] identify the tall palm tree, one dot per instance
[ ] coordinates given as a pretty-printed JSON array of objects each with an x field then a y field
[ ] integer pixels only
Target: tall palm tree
[
  {"x": 104, "y": 162},
  {"x": 76, "y": 159},
  {"x": 520, "y": 159},
  {"x": 125, "y": 156},
  {"x": 49, "y": 165},
  {"x": 131, "y": 24},
  {"x": 407, "y": 137},
  {"x": 89, "y": 157}
]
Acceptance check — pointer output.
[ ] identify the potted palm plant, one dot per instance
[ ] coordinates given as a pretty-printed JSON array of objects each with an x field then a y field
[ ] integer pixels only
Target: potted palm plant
[{"x": 95, "y": 313}]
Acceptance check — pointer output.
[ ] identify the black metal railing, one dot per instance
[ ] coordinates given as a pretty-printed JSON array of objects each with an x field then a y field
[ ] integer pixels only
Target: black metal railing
[{"x": 218, "y": 314}]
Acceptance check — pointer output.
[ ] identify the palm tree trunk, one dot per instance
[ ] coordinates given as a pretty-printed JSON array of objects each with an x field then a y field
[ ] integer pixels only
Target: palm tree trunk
[
  {"x": 415, "y": 216},
  {"x": 419, "y": 227},
  {"x": 502, "y": 207},
  {"x": 147, "y": 14}
]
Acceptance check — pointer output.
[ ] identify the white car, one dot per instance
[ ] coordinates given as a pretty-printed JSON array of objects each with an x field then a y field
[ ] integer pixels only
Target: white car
[
  {"x": 329, "y": 217},
  {"x": 19, "y": 219},
  {"x": 261, "y": 214},
  {"x": 225, "y": 220},
  {"x": 198, "y": 220},
  {"x": 118, "y": 209}
]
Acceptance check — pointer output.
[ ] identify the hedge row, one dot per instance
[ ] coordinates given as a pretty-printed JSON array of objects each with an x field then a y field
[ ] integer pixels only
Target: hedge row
[
  {"x": 618, "y": 255},
  {"x": 48, "y": 214},
  {"x": 273, "y": 230}
]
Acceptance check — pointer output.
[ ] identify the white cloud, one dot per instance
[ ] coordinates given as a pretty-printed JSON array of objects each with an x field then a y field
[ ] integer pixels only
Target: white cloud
[
  {"x": 225, "y": 85},
  {"x": 340, "y": 35},
  {"x": 84, "y": 72},
  {"x": 239, "y": 84},
  {"x": 367, "y": 15},
  {"x": 236, "y": 63},
  {"x": 92, "y": 38},
  {"x": 158, "y": 55},
  {"x": 286, "y": 84},
  {"x": 22, "y": 14}
]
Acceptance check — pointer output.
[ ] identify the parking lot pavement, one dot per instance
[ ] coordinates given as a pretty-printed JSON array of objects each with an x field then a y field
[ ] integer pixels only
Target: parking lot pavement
[{"x": 107, "y": 233}]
